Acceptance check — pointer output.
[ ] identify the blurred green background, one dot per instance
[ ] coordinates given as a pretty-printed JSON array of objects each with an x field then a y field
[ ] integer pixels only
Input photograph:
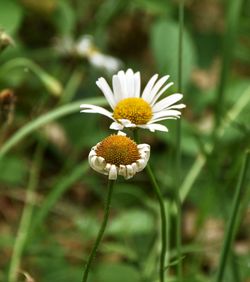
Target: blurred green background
[{"x": 47, "y": 75}]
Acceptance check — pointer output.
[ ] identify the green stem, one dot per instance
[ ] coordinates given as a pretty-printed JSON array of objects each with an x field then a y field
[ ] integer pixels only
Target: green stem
[
  {"x": 179, "y": 237},
  {"x": 229, "y": 236},
  {"x": 163, "y": 221},
  {"x": 178, "y": 144},
  {"x": 101, "y": 231},
  {"x": 25, "y": 219},
  {"x": 157, "y": 190},
  {"x": 52, "y": 84}
]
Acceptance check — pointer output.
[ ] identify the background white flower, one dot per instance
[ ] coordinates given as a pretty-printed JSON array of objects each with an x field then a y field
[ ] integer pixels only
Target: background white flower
[{"x": 133, "y": 109}]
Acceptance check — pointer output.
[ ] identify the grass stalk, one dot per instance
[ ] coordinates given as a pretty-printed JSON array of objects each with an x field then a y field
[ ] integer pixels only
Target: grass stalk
[
  {"x": 233, "y": 13},
  {"x": 163, "y": 222},
  {"x": 25, "y": 221},
  {"x": 64, "y": 183},
  {"x": 52, "y": 84},
  {"x": 45, "y": 119},
  {"x": 201, "y": 159},
  {"x": 164, "y": 234},
  {"x": 101, "y": 231},
  {"x": 178, "y": 144},
  {"x": 231, "y": 230}
]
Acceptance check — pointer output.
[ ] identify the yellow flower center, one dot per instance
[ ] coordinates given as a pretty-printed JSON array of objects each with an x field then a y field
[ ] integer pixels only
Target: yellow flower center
[
  {"x": 118, "y": 150},
  {"x": 136, "y": 110}
]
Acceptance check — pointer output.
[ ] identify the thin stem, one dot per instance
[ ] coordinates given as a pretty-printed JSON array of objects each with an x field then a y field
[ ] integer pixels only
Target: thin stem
[
  {"x": 229, "y": 236},
  {"x": 179, "y": 237},
  {"x": 180, "y": 43},
  {"x": 101, "y": 231},
  {"x": 178, "y": 144},
  {"x": 25, "y": 219},
  {"x": 163, "y": 221},
  {"x": 157, "y": 190}
]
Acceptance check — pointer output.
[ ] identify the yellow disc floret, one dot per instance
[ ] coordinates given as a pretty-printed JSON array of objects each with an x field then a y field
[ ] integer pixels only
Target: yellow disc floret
[
  {"x": 118, "y": 150},
  {"x": 137, "y": 110}
]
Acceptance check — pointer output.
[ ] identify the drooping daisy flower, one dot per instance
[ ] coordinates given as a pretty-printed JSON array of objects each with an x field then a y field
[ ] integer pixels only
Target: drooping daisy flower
[
  {"x": 119, "y": 155},
  {"x": 86, "y": 48},
  {"x": 130, "y": 108}
]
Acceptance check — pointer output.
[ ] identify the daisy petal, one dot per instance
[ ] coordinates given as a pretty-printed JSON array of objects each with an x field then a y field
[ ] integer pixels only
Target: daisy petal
[
  {"x": 166, "y": 113},
  {"x": 95, "y": 109},
  {"x": 161, "y": 92},
  {"x": 157, "y": 87},
  {"x": 113, "y": 172},
  {"x": 137, "y": 81},
  {"x": 166, "y": 102},
  {"x": 179, "y": 106},
  {"x": 154, "y": 126},
  {"x": 147, "y": 89},
  {"x": 103, "y": 85},
  {"x": 118, "y": 95},
  {"x": 163, "y": 118},
  {"x": 130, "y": 82},
  {"x": 127, "y": 123},
  {"x": 116, "y": 126},
  {"x": 123, "y": 83}
]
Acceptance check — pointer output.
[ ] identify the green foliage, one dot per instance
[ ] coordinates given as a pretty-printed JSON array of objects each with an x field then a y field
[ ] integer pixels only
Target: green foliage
[
  {"x": 11, "y": 15},
  {"x": 164, "y": 42},
  {"x": 13, "y": 170},
  {"x": 50, "y": 80},
  {"x": 111, "y": 272},
  {"x": 131, "y": 222}
]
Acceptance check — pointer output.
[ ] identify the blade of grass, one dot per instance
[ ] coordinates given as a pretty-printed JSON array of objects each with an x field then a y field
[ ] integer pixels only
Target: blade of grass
[
  {"x": 178, "y": 146},
  {"x": 44, "y": 119},
  {"x": 52, "y": 84},
  {"x": 200, "y": 161},
  {"x": 24, "y": 226},
  {"x": 231, "y": 230},
  {"x": 57, "y": 191},
  {"x": 233, "y": 13},
  {"x": 71, "y": 86}
]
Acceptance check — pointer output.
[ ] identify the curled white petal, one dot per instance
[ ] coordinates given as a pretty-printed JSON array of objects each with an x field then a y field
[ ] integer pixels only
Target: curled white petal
[
  {"x": 121, "y": 133},
  {"x": 116, "y": 126},
  {"x": 113, "y": 172},
  {"x": 127, "y": 171}
]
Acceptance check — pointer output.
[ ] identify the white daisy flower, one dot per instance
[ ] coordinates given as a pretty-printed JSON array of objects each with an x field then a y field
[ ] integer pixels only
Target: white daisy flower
[
  {"x": 119, "y": 155},
  {"x": 86, "y": 48},
  {"x": 130, "y": 108}
]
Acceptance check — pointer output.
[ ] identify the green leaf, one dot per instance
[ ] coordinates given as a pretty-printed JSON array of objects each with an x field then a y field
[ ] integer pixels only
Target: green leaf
[
  {"x": 164, "y": 42},
  {"x": 10, "y": 16}
]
